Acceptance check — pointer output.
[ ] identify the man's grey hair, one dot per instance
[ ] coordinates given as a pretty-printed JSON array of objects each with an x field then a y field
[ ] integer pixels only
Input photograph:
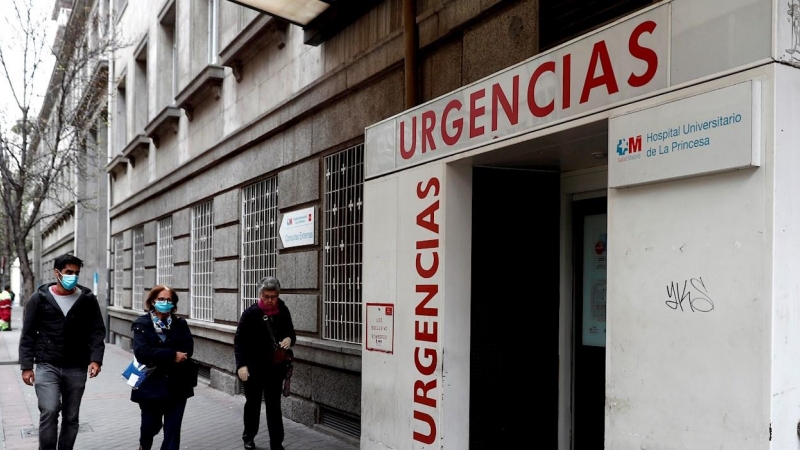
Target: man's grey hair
[{"x": 269, "y": 284}]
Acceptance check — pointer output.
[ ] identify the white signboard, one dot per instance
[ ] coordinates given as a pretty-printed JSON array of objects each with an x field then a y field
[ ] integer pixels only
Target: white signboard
[
  {"x": 707, "y": 133},
  {"x": 600, "y": 69},
  {"x": 380, "y": 327},
  {"x": 297, "y": 228}
]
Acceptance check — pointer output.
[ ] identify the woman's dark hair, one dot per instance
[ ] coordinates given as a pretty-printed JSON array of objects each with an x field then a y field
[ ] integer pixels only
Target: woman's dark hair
[{"x": 153, "y": 295}]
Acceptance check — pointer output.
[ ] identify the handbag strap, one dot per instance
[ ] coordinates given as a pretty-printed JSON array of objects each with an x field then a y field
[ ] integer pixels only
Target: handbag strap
[{"x": 268, "y": 321}]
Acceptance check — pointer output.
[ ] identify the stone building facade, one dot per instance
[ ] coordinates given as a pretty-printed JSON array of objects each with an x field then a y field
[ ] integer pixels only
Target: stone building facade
[
  {"x": 225, "y": 123},
  {"x": 385, "y": 159},
  {"x": 75, "y": 217}
]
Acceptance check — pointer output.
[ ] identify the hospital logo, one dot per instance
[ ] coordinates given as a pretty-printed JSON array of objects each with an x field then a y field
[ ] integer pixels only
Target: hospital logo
[{"x": 629, "y": 146}]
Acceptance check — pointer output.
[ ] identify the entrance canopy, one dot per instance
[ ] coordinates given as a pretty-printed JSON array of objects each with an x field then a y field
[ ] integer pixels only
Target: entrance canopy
[
  {"x": 577, "y": 148},
  {"x": 301, "y": 12}
]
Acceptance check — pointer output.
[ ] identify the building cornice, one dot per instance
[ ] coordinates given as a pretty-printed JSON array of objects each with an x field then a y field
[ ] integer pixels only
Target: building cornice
[
  {"x": 208, "y": 81},
  {"x": 251, "y": 40},
  {"x": 138, "y": 146},
  {"x": 119, "y": 164},
  {"x": 165, "y": 121}
]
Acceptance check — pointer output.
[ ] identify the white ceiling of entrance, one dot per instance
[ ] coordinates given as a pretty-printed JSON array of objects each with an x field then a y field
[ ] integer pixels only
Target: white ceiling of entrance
[{"x": 564, "y": 151}]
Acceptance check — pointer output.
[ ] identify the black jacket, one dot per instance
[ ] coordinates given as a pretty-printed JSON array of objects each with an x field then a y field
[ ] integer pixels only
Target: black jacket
[
  {"x": 252, "y": 344},
  {"x": 51, "y": 338},
  {"x": 169, "y": 379}
]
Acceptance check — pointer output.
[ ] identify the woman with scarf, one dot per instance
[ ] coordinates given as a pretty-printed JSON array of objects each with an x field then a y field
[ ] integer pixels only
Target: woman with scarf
[
  {"x": 265, "y": 330},
  {"x": 163, "y": 342}
]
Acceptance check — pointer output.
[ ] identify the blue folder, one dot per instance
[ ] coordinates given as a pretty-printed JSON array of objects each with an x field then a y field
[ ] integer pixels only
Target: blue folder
[{"x": 135, "y": 373}]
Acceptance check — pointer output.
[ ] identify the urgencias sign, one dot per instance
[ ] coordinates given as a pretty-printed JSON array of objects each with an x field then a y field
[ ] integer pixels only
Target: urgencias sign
[{"x": 622, "y": 61}]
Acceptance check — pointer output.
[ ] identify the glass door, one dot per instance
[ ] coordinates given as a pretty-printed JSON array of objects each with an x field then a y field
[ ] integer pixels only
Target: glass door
[{"x": 589, "y": 340}]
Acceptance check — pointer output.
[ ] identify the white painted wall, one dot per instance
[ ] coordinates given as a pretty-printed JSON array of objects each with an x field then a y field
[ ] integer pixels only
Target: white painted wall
[
  {"x": 712, "y": 36},
  {"x": 391, "y": 236},
  {"x": 677, "y": 378},
  {"x": 786, "y": 262}
]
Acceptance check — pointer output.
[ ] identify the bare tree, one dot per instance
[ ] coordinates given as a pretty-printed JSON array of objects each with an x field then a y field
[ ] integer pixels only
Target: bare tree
[{"x": 44, "y": 152}]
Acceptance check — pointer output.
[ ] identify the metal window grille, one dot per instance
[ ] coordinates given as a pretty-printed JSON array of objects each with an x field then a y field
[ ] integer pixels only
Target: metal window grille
[
  {"x": 119, "y": 260},
  {"x": 259, "y": 236},
  {"x": 204, "y": 372},
  {"x": 340, "y": 421},
  {"x": 138, "y": 268},
  {"x": 47, "y": 271},
  {"x": 202, "y": 262},
  {"x": 164, "y": 252},
  {"x": 344, "y": 187}
]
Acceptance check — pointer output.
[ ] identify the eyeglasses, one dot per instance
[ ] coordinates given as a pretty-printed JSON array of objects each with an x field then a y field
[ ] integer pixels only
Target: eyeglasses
[
  {"x": 163, "y": 300},
  {"x": 269, "y": 297}
]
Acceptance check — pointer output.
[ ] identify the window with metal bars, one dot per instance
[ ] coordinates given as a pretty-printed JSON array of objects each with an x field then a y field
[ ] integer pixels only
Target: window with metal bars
[
  {"x": 164, "y": 252},
  {"x": 47, "y": 271},
  {"x": 259, "y": 236},
  {"x": 119, "y": 260},
  {"x": 138, "y": 268},
  {"x": 344, "y": 187},
  {"x": 202, "y": 262}
]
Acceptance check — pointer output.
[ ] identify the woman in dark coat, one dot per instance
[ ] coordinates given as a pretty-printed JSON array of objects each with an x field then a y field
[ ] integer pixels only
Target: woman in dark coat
[
  {"x": 254, "y": 346},
  {"x": 163, "y": 342}
]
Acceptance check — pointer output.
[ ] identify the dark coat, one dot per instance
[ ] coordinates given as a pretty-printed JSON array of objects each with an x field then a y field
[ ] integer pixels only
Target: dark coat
[
  {"x": 67, "y": 342},
  {"x": 252, "y": 344},
  {"x": 169, "y": 379}
]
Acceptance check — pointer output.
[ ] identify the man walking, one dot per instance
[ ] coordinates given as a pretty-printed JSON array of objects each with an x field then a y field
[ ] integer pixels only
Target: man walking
[{"x": 62, "y": 333}]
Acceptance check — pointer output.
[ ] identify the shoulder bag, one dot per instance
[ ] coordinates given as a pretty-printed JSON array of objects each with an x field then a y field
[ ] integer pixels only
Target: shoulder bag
[{"x": 279, "y": 355}]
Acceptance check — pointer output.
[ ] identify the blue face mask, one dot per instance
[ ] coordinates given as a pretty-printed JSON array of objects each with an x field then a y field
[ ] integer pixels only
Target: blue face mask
[
  {"x": 69, "y": 282},
  {"x": 164, "y": 307}
]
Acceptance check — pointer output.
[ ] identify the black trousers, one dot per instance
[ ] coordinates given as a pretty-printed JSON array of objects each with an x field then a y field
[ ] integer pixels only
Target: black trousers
[
  {"x": 269, "y": 385},
  {"x": 153, "y": 413}
]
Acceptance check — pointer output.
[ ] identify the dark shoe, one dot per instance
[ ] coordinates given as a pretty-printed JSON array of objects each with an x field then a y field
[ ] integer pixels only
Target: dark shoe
[
  {"x": 276, "y": 447},
  {"x": 250, "y": 445}
]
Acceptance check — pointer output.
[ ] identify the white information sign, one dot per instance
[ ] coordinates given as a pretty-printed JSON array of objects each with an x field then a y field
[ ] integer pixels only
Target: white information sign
[
  {"x": 297, "y": 228},
  {"x": 707, "y": 133},
  {"x": 380, "y": 327}
]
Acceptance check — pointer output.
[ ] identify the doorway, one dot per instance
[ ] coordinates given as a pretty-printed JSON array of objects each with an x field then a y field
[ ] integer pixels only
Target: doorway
[
  {"x": 589, "y": 219},
  {"x": 514, "y": 308}
]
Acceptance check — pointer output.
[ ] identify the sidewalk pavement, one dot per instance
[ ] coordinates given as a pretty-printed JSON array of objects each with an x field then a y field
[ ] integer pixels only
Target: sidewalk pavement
[{"x": 109, "y": 420}]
